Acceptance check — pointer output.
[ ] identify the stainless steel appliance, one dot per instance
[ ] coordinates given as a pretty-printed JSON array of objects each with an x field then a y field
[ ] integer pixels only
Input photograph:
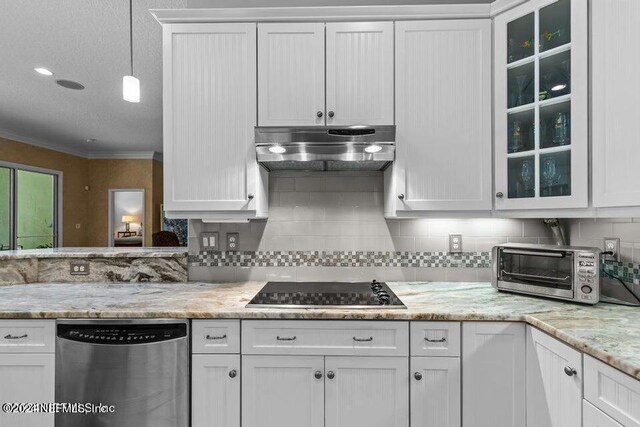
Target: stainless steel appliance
[
  {"x": 325, "y": 147},
  {"x": 141, "y": 367},
  {"x": 562, "y": 272},
  {"x": 326, "y": 295}
]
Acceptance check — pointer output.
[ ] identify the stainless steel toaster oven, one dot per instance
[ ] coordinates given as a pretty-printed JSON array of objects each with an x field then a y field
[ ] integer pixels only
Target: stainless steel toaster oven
[{"x": 564, "y": 272}]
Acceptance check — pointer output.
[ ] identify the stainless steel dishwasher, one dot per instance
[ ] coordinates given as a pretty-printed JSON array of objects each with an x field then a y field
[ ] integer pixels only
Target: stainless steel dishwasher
[{"x": 141, "y": 367}]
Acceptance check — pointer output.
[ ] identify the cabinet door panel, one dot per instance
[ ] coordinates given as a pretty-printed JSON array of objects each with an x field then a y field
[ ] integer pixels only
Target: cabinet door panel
[
  {"x": 554, "y": 399},
  {"x": 27, "y": 378},
  {"x": 443, "y": 118},
  {"x": 210, "y": 114},
  {"x": 291, "y": 74},
  {"x": 367, "y": 391},
  {"x": 493, "y": 379},
  {"x": 360, "y": 73},
  {"x": 614, "y": 75},
  {"x": 282, "y": 391},
  {"x": 435, "y": 396},
  {"x": 215, "y": 395},
  {"x": 593, "y": 417}
]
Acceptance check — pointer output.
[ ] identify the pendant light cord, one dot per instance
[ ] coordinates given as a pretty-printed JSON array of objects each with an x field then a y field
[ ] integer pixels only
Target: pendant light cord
[{"x": 131, "y": 32}]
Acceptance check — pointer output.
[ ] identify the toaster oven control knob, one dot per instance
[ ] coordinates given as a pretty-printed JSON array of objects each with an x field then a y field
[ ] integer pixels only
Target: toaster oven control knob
[{"x": 586, "y": 289}]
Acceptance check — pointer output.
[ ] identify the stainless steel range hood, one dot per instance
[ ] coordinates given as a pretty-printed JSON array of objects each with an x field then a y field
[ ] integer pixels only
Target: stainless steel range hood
[{"x": 325, "y": 148}]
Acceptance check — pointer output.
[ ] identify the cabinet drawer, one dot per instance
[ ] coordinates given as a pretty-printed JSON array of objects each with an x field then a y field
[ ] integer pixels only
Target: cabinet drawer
[
  {"x": 27, "y": 336},
  {"x": 435, "y": 338},
  {"x": 613, "y": 392},
  {"x": 216, "y": 336},
  {"x": 319, "y": 337},
  {"x": 594, "y": 417}
]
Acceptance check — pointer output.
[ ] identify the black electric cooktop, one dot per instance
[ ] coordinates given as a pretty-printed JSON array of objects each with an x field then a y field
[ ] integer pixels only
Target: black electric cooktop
[{"x": 326, "y": 295}]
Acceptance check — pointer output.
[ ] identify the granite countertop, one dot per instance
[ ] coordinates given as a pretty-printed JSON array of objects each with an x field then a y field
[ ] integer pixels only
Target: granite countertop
[
  {"x": 120, "y": 252},
  {"x": 608, "y": 332}
]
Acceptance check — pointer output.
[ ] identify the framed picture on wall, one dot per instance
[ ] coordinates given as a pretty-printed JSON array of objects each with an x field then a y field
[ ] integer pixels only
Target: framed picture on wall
[{"x": 178, "y": 226}]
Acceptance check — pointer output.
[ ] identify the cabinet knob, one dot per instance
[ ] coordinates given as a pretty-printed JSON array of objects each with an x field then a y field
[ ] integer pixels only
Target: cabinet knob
[
  {"x": 417, "y": 376},
  {"x": 233, "y": 373},
  {"x": 318, "y": 375},
  {"x": 499, "y": 194},
  {"x": 319, "y": 114},
  {"x": 250, "y": 196},
  {"x": 331, "y": 375},
  {"x": 331, "y": 113},
  {"x": 401, "y": 196},
  {"x": 570, "y": 371}
]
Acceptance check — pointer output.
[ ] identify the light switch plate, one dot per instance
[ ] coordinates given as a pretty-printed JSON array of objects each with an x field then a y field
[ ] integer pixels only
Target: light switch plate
[
  {"x": 612, "y": 244},
  {"x": 233, "y": 241},
  {"x": 455, "y": 243},
  {"x": 78, "y": 267},
  {"x": 209, "y": 241}
]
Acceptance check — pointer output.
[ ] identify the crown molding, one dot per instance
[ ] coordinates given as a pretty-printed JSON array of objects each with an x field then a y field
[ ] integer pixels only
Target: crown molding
[
  {"x": 125, "y": 155},
  {"x": 500, "y": 6},
  {"x": 324, "y": 13}
]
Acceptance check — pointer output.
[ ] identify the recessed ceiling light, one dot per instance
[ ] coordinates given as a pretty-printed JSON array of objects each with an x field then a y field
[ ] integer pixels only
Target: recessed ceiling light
[
  {"x": 372, "y": 148},
  {"x": 43, "y": 71},
  {"x": 559, "y": 87},
  {"x": 277, "y": 149},
  {"x": 70, "y": 84}
]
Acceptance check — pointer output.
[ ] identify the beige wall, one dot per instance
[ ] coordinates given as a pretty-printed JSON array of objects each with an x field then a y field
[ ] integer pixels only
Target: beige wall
[{"x": 90, "y": 208}]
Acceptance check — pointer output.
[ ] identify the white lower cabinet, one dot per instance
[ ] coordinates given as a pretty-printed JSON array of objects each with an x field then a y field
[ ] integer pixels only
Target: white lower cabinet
[
  {"x": 215, "y": 386},
  {"x": 27, "y": 378},
  {"x": 493, "y": 379},
  {"x": 366, "y": 391},
  {"x": 435, "y": 391},
  {"x": 282, "y": 391},
  {"x": 554, "y": 382},
  {"x": 594, "y": 417}
]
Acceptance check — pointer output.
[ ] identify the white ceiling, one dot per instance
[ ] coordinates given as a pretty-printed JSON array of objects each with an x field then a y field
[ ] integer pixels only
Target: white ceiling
[{"x": 88, "y": 41}]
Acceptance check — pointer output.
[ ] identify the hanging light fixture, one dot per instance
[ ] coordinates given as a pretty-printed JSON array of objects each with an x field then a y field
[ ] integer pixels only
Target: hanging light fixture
[{"x": 130, "y": 84}]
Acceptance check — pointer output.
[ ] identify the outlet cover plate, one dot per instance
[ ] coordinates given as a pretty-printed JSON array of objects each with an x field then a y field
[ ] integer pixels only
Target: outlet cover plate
[
  {"x": 455, "y": 243},
  {"x": 233, "y": 241},
  {"x": 79, "y": 267},
  {"x": 612, "y": 244}
]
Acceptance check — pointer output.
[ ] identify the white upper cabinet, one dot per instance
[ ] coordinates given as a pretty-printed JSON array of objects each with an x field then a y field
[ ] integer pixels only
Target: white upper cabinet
[
  {"x": 359, "y": 73},
  {"x": 615, "y": 109},
  {"x": 209, "y": 101},
  {"x": 291, "y": 74},
  {"x": 443, "y": 117},
  {"x": 541, "y": 106},
  {"x": 554, "y": 382}
]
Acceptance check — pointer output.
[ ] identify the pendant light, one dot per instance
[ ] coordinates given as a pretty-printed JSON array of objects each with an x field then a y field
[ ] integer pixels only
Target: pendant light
[{"x": 130, "y": 84}]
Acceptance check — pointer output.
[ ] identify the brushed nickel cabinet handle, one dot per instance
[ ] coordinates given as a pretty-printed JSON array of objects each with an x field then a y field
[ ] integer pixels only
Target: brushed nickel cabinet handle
[
  {"x": 221, "y": 337},
  {"x": 417, "y": 376},
  {"x": 319, "y": 114},
  {"x": 331, "y": 375},
  {"x": 279, "y": 338},
  {"x": 233, "y": 373},
  {"x": 12, "y": 337},
  {"x": 250, "y": 196},
  {"x": 499, "y": 194},
  {"x": 331, "y": 113},
  {"x": 401, "y": 196},
  {"x": 363, "y": 339},
  {"x": 443, "y": 339},
  {"x": 570, "y": 371},
  {"x": 317, "y": 374}
]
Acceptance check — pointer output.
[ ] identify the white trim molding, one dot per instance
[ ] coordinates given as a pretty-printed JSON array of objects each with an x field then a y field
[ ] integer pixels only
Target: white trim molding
[
  {"x": 11, "y": 136},
  {"x": 500, "y": 6},
  {"x": 131, "y": 155},
  {"x": 325, "y": 13}
]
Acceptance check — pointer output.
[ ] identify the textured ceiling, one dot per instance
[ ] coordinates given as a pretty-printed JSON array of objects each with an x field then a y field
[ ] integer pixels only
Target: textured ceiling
[{"x": 88, "y": 41}]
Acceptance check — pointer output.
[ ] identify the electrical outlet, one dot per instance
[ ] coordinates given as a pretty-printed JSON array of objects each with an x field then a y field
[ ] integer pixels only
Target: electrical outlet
[
  {"x": 78, "y": 267},
  {"x": 455, "y": 243},
  {"x": 233, "y": 241},
  {"x": 612, "y": 244},
  {"x": 209, "y": 241}
]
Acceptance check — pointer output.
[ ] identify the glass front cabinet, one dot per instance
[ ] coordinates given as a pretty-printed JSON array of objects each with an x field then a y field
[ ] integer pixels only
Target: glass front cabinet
[{"x": 541, "y": 106}]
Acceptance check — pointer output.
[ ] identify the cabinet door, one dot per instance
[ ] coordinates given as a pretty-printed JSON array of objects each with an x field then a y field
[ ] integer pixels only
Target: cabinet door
[
  {"x": 27, "y": 378},
  {"x": 554, "y": 382},
  {"x": 209, "y": 118},
  {"x": 493, "y": 378},
  {"x": 215, "y": 390},
  {"x": 282, "y": 391},
  {"x": 291, "y": 74},
  {"x": 541, "y": 105},
  {"x": 593, "y": 417},
  {"x": 443, "y": 117},
  {"x": 367, "y": 391},
  {"x": 435, "y": 392},
  {"x": 615, "y": 110},
  {"x": 359, "y": 73}
]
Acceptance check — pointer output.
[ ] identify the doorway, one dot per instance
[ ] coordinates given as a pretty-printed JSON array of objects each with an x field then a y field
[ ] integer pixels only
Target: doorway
[
  {"x": 30, "y": 207},
  {"x": 126, "y": 217}
]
